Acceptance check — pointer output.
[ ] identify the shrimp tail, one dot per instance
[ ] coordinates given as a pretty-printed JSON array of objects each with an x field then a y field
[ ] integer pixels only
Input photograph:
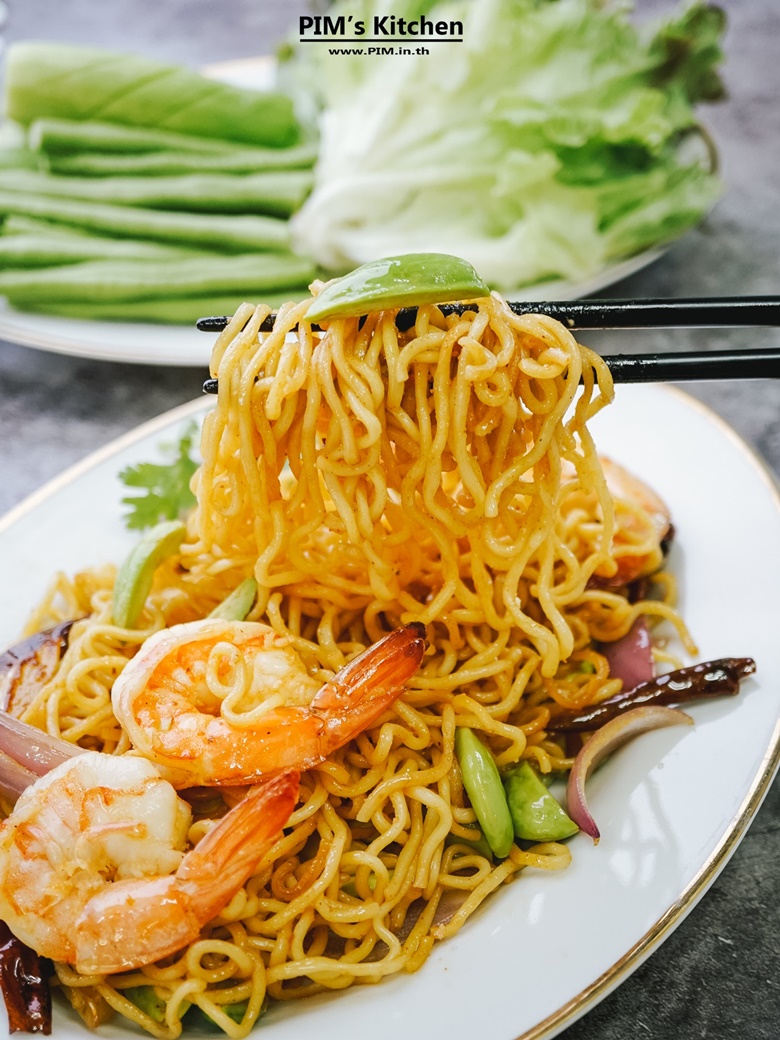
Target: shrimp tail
[
  {"x": 364, "y": 688},
  {"x": 140, "y": 920},
  {"x": 223, "y": 860}
]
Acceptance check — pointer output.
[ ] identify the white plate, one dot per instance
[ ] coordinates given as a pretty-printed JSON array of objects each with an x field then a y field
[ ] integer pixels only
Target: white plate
[
  {"x": 144, "y": 343},
  {"x": 672, "y": 806}
]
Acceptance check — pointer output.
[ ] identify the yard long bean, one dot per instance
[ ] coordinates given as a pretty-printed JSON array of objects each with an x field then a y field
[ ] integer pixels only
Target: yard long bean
[
  {"x": 112, "y": 281},
  {"x": 237, "y": 234},
  {"x": 275, "y": 193}
]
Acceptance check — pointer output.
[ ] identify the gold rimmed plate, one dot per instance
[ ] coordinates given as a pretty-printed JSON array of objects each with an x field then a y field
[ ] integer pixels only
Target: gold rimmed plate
[{"x": 672, "y": 807}]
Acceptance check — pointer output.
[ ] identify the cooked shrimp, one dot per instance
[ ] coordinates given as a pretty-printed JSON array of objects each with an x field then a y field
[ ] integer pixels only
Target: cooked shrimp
[
  {"x": 92, "y": 864},
  {"x": 227, "y": 702},
  {"x": 642, "y": 521}
]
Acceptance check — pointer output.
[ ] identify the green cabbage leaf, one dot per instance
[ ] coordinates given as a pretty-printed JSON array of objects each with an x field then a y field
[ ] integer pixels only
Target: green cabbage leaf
[{"x": 556, "y": 139}]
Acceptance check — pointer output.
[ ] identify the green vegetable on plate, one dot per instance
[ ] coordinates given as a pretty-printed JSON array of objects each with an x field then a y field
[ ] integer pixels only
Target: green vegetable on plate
[
  {"x": 480, "y": 845},
  {"x": 65, "y": 136},
  {"x": 350, "y": 888},
  {"x": 536, "y": 815},
  {"x": 165, "y": 163},
  {"x": 19, "y": 159},
  {"x": 555, "y": 140},
  {"x": 51, "y": 250},
  {"x": 135, "y": 576},
  {"x": 128, "y": 280},
  {"x": 18, "y": 225},
  {"x": 398, "y": 281},
  {"x": 276, "y": 193},
  {"x": 483, "y": 785},
  {"x": 203, "y": 173},
  {"x": 73, "y": 82},
  {"x": 227, "y": 233},
  {"x": 146, "y": 999},
  {"x": 236, "y": 1012},
  {"x": 175, "y": 310},
  {"x": 237, "y": 605}
]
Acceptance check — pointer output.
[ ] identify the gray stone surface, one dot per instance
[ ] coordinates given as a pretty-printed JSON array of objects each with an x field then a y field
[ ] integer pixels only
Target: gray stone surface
[{"x": 717, "y": 976}]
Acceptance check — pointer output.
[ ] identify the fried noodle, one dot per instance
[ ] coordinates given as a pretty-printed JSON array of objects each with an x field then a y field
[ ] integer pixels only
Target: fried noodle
[{"x": 367, "y": 478}]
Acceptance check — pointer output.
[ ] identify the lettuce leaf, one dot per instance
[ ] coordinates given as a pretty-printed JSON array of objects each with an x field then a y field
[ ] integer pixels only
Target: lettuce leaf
[{"x": 546, "y": 145}]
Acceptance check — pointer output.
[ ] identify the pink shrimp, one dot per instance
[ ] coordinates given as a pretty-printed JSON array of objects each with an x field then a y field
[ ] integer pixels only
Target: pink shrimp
[
  {"x": 642, "y": 522},
  {"x": 226, "y": 702},
  {"x": 92, "y": 864},
  {"x": 641, "y": 518}
]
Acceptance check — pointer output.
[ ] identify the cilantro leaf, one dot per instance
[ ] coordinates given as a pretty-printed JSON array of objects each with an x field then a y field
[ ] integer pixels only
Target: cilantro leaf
[{"x": 166, "y": 494}]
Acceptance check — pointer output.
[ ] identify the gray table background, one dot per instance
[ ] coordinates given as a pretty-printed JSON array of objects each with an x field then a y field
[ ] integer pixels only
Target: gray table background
[{"x": 717, "y": 976}]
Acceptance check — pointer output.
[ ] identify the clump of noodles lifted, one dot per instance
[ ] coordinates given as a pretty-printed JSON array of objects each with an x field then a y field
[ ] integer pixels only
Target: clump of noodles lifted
[
  {"x": 373, "y": 477},
  {"x": 368, "y": 478}
]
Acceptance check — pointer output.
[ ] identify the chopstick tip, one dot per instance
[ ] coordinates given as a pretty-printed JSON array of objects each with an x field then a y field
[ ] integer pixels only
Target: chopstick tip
[{"x": 212, "y": 324}]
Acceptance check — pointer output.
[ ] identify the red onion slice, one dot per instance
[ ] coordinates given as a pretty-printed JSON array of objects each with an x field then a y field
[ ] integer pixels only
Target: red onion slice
[
  {"x": 32, "y": 748},
  {"x": 603, "y": 742},
  {"x": 631, "y": 657},
  {"x": 14, "y": 778}
]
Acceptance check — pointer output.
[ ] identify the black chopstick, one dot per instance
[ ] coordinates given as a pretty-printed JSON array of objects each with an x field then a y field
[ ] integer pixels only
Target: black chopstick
[
  {"x": 698, "y": 364},
  {"x": 716, "y": 312},
  {"x": 678, "y": 368},
  {"x": 723, "y": 312}
]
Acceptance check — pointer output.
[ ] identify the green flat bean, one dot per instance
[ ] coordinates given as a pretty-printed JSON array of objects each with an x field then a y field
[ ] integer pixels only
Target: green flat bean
[
  {"x": 135, "y": 576},
  {"x": 112, "y": 281},
  {"x": 16, "y": 225},
  {"x": 398, "y": 281},
  {"x": 237, "y": 1012},
  {"x": 174, "y": 311},
  {"x": 20, "y": 159},
  {"x": 274, "y": 193},
  {"x": 145, "y": 998},
  {"x": 350, "y": 888},
  {"x": 18, "y": 250},
  {"x": 480, "y": 845},
  {"x": 536, "y": 815},
  {"x": 237, "y": 605},
  {"x": 97, "y": 164},
  {"x": 485, "y": 790},
  {"x": 236, "y": 234},
  {"x": 71, "y": 135},
  {"x": 65, "y": 81}
]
